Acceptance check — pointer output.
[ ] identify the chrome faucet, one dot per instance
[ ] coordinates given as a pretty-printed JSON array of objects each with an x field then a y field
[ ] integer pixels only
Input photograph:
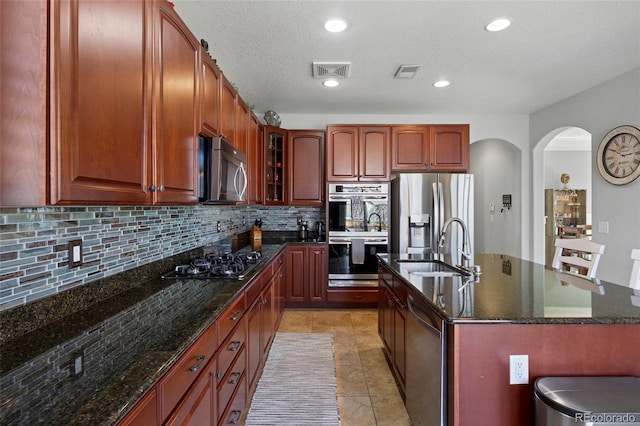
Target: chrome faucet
[
  {"x": 465, "y": 252},
  {"x": 379, "y": 220}
]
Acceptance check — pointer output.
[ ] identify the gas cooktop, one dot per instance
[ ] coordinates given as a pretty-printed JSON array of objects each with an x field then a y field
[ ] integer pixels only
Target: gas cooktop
[{"x": 217, "y": 265}]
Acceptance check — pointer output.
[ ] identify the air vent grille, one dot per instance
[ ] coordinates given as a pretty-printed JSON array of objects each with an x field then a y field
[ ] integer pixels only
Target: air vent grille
[
  {"x": 331, "y": 69},
  {"x": 407, "y": 71}
]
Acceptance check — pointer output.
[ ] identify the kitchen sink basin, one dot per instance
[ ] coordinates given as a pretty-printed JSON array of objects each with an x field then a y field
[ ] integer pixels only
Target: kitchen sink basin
[{"x": 429, "y": 268}]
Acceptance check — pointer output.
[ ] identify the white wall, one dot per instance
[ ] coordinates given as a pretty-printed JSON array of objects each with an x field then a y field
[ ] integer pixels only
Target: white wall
[
  {"x": 496, "y": 166},
  {"x": 597, "y": 110},
  {"x": 511, "y": 128}
]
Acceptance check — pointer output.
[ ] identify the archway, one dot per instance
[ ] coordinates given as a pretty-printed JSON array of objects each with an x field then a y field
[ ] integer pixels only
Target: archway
[{"x": 572, "y": 155}]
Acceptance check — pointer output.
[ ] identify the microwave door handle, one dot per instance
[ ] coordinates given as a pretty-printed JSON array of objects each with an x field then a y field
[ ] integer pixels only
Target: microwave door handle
[{"x": 244, "y": 180}]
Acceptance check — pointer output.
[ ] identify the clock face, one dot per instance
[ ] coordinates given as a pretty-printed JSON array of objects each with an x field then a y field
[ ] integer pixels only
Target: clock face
[{"x": 619, "y": 155}]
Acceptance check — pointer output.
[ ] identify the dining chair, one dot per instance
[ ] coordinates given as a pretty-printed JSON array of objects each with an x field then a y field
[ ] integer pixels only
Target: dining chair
[
  {"x": 577, "y": 255},
  {"x": 635, "y": 271}
]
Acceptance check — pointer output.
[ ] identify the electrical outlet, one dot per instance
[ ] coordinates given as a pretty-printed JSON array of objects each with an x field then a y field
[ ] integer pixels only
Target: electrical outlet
[
  {"x": 518, "y": 369},
  {"x": 77, "y": 364},
  {"x": 75, "y": 253},
  {"x": 218, "y": 226}
]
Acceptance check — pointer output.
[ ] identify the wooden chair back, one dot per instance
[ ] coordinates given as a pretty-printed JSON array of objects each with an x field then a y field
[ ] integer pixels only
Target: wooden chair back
[
  {"x": 635, "y": 272},
  {"x": 577, "y": 255}
]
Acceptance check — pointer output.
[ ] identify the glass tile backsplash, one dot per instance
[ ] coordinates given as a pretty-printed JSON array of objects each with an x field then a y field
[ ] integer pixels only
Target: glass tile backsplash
[{"x": 34, "y": 259}]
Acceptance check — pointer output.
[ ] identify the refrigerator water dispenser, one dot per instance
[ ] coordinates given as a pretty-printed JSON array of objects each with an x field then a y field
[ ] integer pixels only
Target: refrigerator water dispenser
[{"x": 419, "y": 233}]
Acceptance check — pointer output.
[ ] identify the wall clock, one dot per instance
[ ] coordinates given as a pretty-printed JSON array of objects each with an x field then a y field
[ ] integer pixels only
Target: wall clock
[{"x": 618, "y": 156}]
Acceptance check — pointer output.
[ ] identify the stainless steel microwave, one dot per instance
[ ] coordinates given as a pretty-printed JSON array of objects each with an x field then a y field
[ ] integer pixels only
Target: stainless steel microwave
[{"x": 222, "y": 172}]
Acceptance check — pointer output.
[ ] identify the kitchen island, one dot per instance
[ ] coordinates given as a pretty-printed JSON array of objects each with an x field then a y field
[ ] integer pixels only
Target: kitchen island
[
  {"x": 516, "y": 307},
  {"x": 89, "y": 354}
]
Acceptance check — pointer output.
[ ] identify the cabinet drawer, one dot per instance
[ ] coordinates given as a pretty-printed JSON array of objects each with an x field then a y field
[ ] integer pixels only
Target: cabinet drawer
[
  {"x": 231, "y": 347},
  {"x": 353, "y": 296},
  {"x": 232, "y": 381},
  {"x": 236, "y": 407},
  {"x": 231, "y": 317},
  {"x": 176, "y": 382},
  {"x": 253, "y": 291}
]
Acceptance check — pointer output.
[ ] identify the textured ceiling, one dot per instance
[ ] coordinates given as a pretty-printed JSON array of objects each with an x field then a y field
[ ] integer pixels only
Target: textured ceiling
[{"x": 553, "y": 50}]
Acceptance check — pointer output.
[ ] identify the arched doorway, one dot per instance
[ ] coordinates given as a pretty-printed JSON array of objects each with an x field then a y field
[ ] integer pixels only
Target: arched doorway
[{"x": 565, "y": 150}]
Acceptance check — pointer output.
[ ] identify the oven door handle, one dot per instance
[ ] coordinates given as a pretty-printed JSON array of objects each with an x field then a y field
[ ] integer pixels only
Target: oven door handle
[{"x": 366, "y": 240}]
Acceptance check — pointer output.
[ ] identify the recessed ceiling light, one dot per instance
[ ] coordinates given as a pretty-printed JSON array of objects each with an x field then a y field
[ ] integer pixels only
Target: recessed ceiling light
[
  {"x": 498, "y": 24},
  {"x": 335, "y": 25},
  {"x": 442, "y": 83},
  {"x": 331, "y": 83}
]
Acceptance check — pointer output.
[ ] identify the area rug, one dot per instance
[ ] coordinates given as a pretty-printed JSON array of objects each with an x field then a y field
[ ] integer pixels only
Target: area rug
[{"x": 298, "y": 383}]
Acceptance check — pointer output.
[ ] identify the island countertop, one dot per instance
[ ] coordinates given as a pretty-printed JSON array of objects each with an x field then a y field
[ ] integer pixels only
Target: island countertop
[{"x": 514, "y": 290}]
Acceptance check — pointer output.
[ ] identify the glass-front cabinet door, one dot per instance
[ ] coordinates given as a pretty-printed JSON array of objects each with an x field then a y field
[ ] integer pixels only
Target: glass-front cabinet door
[{"x": 275, "y": 167}]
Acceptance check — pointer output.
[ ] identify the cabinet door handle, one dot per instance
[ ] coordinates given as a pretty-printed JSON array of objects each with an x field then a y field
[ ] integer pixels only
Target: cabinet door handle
[
  {"x": 234, "y": 378},
  {"x": 237, "y": 414},
  {"x": 198, "y": 366},
  {"x": 218, "y": 375},
  {"x": 235, "y": 316},
  {"x": 235, "y": 345},
  {"x": 161, "y": 188},
  {"x": 152, "y": 188}
]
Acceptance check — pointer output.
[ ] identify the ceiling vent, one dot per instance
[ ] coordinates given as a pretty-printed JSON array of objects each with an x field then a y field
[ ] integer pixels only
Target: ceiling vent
[
  {"x": 331, "y": 69},
  {"x": 407, "y": 71}
]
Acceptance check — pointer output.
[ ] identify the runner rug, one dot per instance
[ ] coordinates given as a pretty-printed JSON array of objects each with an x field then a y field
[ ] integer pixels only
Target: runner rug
[{"x": 298, "y": 383}]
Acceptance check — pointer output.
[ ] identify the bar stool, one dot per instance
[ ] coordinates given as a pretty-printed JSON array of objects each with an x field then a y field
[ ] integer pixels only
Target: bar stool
[{"x": 577, "y": 255}]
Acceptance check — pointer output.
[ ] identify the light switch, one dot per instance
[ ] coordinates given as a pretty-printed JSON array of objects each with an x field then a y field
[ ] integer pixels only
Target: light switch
[{"x": 603, "y": 227}]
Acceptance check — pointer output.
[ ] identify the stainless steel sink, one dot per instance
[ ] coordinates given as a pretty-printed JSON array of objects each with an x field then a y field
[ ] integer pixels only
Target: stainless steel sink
[{"x": 429, "y": 268}]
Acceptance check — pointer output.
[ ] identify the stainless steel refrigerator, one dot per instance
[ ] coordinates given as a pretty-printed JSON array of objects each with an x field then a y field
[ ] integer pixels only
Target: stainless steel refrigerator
[{"x": 421, "y": 204}]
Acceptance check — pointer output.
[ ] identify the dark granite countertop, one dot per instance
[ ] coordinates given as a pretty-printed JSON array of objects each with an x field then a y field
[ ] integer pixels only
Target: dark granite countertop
[
  {"x": 126, "y": 330},
  {"x": 515, "y": 290}
]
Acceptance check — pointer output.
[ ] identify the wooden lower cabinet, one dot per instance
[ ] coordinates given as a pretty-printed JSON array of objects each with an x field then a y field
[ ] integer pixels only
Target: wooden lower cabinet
[
  {"x": 306, "y": 274},
  {"x": 392, "y": 317},
  {"x": 211, "y": 383},
  {"x": 144, "y": 413},
  {"x": 198, "y": 406}
]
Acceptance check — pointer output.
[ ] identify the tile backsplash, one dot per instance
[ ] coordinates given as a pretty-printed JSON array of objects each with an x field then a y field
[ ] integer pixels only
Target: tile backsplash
[{"x": 34, "y": 259}]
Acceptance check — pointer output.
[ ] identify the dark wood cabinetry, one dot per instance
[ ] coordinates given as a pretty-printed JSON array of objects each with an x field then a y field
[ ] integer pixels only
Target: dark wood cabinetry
[
  {"x": 410, "y": 148},
  {"x": 392, "y": 324},
  {"x": 435, "y": 148},
  {"x": 275, "y": 169},
  {"x": 101, "y": 145},
  {"x": 358, "y": 153},
  {"x": 210, "y": 96},
  {"x": 449, "y": 148},
  {"x": 176, "y": 118},
  {"x": 211, "y": 382},
  {"x": 227, "y": 110},
  {"x": 255, "y": 157},
  {"x": 119, "y": 131},
  {"x": 306, "y": 274},
  {"x": 305, "y": 155}
]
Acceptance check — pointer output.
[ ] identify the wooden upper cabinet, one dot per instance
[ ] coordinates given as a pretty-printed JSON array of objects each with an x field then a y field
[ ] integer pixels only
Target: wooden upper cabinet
[
  {"x": 177, "y": 110},
  {"x": 432, "y": 148},
  {"x": 228, "y": 97},
  {"x": 374, "y": 153},
  {"x": 100, "y": 102},
  {"x": 410, "y": 148},
  {"x": 449, "y": 148},
  {"x": 305, "y": 152},
  {"x": 242, "y": 125},
  {"x": 342, "y": 153},
  {"x": 254, "y": 161},
  {"x": 210, "y": 96},
  {"x": 358, "y": 153}
]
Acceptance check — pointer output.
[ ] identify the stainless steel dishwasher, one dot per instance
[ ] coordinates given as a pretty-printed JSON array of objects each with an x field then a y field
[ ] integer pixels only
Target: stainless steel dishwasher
[{"x": 426, "y": 365}]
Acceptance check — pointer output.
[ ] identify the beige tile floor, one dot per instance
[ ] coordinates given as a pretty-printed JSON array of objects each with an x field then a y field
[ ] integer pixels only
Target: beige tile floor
[{"x": 367, "y": 392}]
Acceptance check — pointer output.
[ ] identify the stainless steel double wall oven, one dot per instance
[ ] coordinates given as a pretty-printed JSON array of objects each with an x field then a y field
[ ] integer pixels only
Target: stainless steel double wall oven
[{"x": 358, "y": 229}]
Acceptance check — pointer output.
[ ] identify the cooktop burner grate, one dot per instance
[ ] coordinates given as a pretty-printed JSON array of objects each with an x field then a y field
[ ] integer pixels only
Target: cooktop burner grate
[{"x": 217, "y": 265}]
